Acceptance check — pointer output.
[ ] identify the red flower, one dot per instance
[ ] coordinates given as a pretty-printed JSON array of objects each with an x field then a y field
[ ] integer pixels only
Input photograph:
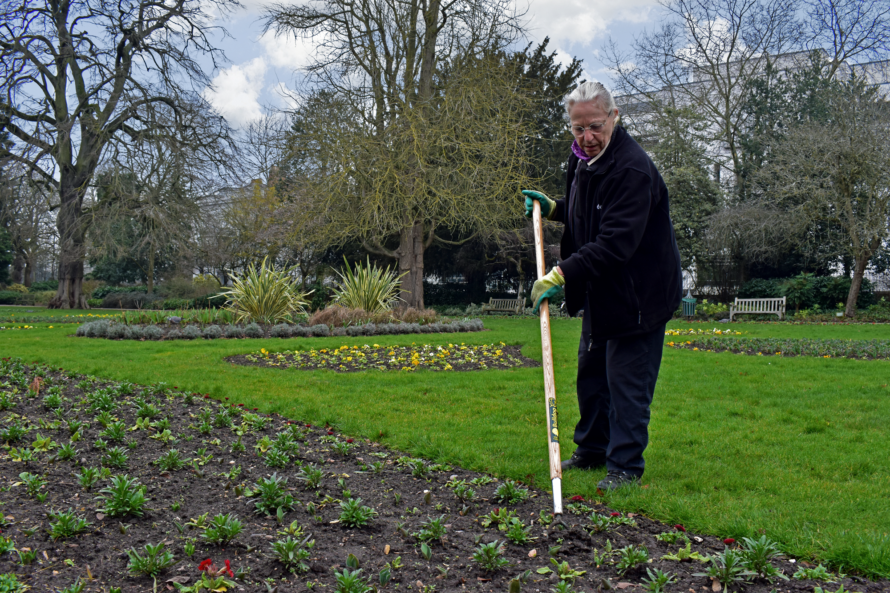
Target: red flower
[
  {"x": 228, "y": 569},
  {"x": 330, "y": 432},
  {"x": 308, "y": 426},
  {"x": 206, "y": 564},
  {"x": 729, "y": 541},
  {"x": 577, "y": 498},
  {"x": 240, "y": 405},
  {"x": 255, "y": 409},
  {"x": 615, "y": 514},
  {"x": 349, "y": 440},
  {"x": 175, "y": 387},
  {"x": 497, "y": 510},
  {"x": 227, "y": 399},
  {"x": 679, "y": 527},
  {"x": 206, "y": 397}
]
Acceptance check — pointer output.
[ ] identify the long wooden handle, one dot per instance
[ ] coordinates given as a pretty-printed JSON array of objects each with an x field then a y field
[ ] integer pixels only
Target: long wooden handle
[{"x": 549, "y": 383}]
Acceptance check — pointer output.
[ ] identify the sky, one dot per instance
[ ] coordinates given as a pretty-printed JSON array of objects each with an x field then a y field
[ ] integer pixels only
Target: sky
[{"x": 262, "y": 68}]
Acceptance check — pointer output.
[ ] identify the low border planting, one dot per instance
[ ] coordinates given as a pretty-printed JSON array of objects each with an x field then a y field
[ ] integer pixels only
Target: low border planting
[
  {"x": 111, "y": 330},
  {"x": 817, "y": 348}
]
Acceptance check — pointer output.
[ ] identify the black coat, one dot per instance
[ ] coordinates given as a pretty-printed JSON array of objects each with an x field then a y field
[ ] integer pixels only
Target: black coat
[{"x": 619, "y": 254}]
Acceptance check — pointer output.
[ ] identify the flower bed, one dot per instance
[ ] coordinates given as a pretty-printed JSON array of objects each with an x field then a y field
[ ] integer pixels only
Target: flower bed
[
  {"x": 860, "y": 349},
  {"x": 453, "y": 357},
  {"x": 104, "y": 328},
  {"x": 121, "y": 487}
]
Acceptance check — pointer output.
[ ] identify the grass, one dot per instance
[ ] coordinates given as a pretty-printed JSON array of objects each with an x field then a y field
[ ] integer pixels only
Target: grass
[{"x": 793, "y": 448}]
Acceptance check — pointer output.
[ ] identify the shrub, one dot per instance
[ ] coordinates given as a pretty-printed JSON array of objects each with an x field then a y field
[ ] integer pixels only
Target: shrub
[
  {"x": 282, "y": 330},
  {"x": 212, "y": 332},
  {"x": 45, "y": 285},
  {"x": 760, "y": 288},
  {"x": 153, "y": 332},
  {"x": 367, "y": 287},
  {"x": 300, "y": 331},
  {"x": 233, "y": 331},
  {"x": 320, "y": 330},
  {"x": 10, "y": 297},
  {"x": 129, "y": 300},
  {"x": 175, "y": 304},
  {"x": 264, "y": 295},
  {"x": 252, "y": 330},
  {"x": 192, "y": 332},
  {"x": 97, "y": 329},
  {"x": 20, "y": 288},
  {"x": 42, "y": 297},
  {"x": 116, "y": 331},
  {"x": 134, "y": 332},
  {"x": 339, "y": 331},
  {"x": 174, "y": 334},
  {"x": 103, "y": 291}
]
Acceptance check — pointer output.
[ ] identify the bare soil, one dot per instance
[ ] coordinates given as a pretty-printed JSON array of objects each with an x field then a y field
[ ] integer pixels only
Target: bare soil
[{"x": 405, "y": 494}]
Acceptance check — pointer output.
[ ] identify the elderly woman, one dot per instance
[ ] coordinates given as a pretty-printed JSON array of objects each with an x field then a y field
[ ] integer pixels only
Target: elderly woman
[{"x": 620, "y": 264}]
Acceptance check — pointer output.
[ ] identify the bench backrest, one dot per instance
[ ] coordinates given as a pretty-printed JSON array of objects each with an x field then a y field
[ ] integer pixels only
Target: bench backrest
[
  {"x": 772, "y": 305},
  {"x": 505, "y": 302}
]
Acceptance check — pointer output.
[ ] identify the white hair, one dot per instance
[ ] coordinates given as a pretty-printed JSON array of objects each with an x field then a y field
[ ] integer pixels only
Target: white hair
[{"x": 588, "y": 92}]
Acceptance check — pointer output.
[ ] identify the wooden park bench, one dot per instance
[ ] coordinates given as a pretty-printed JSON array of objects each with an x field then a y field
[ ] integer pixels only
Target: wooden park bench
[
  {"x": 758, "y": 307},
  {"x": 504, "y": 306}
]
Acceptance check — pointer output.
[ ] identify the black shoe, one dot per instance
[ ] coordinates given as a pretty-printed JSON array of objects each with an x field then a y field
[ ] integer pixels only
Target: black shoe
[
  {"x": 581, "y": 462},
  {"x": 616, "y": 479}
]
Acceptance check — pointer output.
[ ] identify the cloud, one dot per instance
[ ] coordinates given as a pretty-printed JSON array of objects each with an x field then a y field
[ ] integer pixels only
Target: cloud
[
  {"x": 569, "y": 22},
  {"x": 236, "y": 91},
  {"x": 284, "y": 51}
]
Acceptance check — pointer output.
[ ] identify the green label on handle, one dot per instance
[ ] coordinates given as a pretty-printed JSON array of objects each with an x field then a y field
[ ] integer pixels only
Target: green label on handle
[{"x": 551, "y": 418}]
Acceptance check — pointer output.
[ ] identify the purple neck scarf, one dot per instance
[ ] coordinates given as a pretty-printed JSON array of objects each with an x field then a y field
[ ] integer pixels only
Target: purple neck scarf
[{"x": 579, "y": 152}]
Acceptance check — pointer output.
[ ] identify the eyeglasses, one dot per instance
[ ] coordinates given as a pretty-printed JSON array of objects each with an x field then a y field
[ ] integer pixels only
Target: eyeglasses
[{"x": 596, "y": 128}]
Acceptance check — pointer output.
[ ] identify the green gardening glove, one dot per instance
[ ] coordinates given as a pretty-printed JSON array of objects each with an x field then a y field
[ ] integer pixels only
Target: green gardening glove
[
  {"x": 548, "y": 206},
  {"x": 546, "y": 288}
]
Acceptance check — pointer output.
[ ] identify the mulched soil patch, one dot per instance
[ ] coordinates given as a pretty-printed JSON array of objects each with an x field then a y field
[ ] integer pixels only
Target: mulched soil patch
[
  {"x": 405, "y": 494},
  {"x": 346, "y": 359}
]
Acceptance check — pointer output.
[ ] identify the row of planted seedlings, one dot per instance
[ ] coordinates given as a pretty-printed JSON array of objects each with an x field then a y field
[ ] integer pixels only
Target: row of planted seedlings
[{"x": 156, "y": 484}]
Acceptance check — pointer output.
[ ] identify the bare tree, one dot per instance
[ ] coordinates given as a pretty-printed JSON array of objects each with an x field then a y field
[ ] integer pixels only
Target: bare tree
[
  {"x": 25, "y": 214},
  {"x": 419, "y": 148},
  {"x": 84, "y": 77},
  {"x": 263, "y": 146},
  {"x": 834, "y": 175},
  {"x": 849, "y": 30},
  {"x": 702, "y": 57}
]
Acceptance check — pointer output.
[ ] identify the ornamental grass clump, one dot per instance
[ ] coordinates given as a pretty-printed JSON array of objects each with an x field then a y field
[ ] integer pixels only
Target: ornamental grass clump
[
  {"x": 367, "y": 287},
  {"x": 264, "y": 295}
]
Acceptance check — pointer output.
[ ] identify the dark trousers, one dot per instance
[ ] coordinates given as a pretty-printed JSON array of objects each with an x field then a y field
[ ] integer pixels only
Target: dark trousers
[{"x": 616, "y": 380}]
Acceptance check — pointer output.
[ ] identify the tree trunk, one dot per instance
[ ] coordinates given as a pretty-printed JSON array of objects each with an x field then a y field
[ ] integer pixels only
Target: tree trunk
[
  {"x": 28, "y": 277},
  {"x": 410, "y": 254},
  {"x": 856, "y": 284},
  {"x": 151, "y": 270},
  {"x": 17, "y": 265},
  {"x": 71, "y": 250}
]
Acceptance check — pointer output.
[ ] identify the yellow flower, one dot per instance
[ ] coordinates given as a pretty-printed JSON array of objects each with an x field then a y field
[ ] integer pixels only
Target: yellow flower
[
  {"x": 695, "y": 348},
  {"x": 348, "y": 359}
]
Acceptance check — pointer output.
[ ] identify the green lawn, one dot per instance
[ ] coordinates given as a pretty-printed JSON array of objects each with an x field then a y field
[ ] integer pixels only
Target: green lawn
[{"x": 795, "y": 448}]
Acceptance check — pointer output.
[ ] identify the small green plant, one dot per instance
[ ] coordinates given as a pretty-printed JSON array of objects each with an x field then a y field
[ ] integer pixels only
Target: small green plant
[
  {"x": 351, "y": 581},
  {"x": 147, "y": 410},
  {"x": 52, "y": 401},
  {"x": 189, "y": 548},
  {"x": 758, "y": 555},
  {"x": 727, "y": 568},
  {"x": 518, "y": 533},
  {"x": 272, "y": 496},
  {"x": 510, "y": 493},
  {"x": 343, "y": 448},
  {"x": 562, "y": 570},
  {"x": 490, "y": 556},
  {"x": 27, "y": 557},
  {"x": 9, "y": 583},
  {"x": 685, "y": 554},
  {"x": 116, "y": 457},
  {"x": 672, "y": 537},
  {"x": 33, "y": 482},
  {"x": 13, "y": 433},
  {"x": 155, "y": 560},
  {"x": 656, "y": 580},
  {"x": 124, "y": 497},
  {"x": 171, "y": 461},
  {"x": 88, "y": 477},
  {"x": 222, "y": 529},
  {"x": 115, "y": 432},
  {"x": 276, "y": 458},
  {"x": 292, "y": 553},
  {"x": 354, "y": 514},
  {"x": 499, "y": 517},
  {"x": 630, "y": 557},
  {"x": 818, "y": 573},
  {"x": 66, "y": 524},
  {"x": 432, "y": 530},
  {"x": 67, "y": 452},
  {"x": 606, "y": 522},
  {"x": 75, "y": 587}
]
